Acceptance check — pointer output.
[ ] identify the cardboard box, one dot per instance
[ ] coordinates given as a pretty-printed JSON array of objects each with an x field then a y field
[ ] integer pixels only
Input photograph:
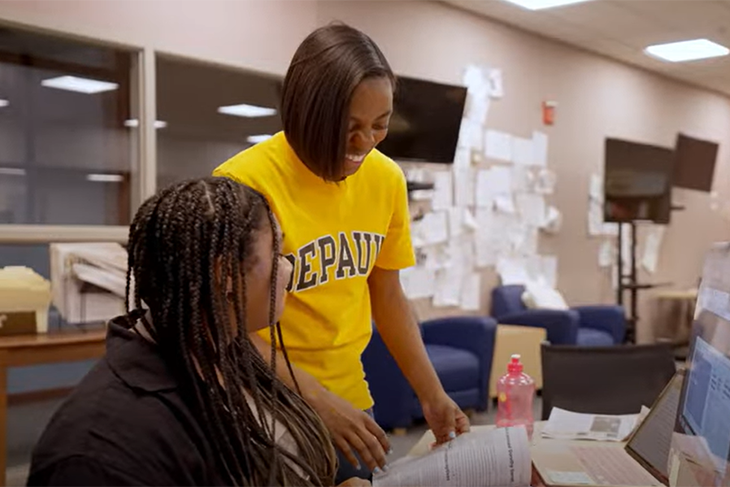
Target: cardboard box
[{"x": 24, "y": 300}]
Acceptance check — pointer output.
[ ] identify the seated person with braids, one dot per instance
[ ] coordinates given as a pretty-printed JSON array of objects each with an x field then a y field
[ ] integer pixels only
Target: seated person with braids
[{"x": 182, "y": 397}]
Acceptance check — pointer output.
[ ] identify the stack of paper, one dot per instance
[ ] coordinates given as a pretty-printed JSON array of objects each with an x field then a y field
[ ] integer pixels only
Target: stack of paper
[{"x": 567, "y": 425}]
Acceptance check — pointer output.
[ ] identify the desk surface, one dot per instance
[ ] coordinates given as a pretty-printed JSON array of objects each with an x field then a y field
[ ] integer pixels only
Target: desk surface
[{"x": 52, "y": 339}]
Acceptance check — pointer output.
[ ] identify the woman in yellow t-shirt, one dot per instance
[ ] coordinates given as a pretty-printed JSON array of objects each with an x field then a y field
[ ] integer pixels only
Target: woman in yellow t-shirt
[{"x": 343, "y": 209}]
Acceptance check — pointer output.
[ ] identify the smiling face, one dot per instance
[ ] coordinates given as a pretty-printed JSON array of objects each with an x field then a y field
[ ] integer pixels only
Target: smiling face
[{"x": 370, "y": 109}]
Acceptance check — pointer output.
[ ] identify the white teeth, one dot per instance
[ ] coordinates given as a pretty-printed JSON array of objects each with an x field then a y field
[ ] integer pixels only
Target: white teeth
[{"x": 355, "y": 158}]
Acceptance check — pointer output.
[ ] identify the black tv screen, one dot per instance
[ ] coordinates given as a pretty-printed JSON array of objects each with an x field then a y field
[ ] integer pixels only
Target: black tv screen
[
  {"x": 425, "y": 123},
  {"x": 637, "y": 182},
  {"x": 695, "y": 164}
]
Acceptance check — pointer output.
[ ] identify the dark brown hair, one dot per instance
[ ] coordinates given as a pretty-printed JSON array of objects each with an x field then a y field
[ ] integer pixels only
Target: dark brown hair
[
  {"x": 185, "y": 244},
  {"x": 327, "y": 67}
]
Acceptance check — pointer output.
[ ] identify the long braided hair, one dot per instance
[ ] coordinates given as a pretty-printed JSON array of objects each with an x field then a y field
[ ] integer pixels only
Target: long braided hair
[{"x": 185, "y": 245}]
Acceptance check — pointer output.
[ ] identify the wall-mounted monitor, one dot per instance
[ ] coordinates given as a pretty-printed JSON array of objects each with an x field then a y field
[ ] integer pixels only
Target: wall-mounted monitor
[
  {"x": 695, "y": 165},
  {"x": 425, "y": 123},
  {"x": 637, "y": 182}
]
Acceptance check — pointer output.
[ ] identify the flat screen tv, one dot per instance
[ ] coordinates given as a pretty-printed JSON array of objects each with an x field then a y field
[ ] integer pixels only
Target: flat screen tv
[
  {"x": 695, "y": 164},
  {"x": 637, "y": 182},
  {"x": 425, "y": 123}
]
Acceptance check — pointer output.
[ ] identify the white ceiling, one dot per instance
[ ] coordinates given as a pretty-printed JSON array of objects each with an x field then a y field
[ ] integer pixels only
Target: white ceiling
[{"x": 621, "y": 29}]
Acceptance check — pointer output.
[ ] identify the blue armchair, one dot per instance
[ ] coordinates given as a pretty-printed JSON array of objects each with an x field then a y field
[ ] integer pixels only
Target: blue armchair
[
  {"x": 460, "y": 349},
  {"x": 583, "y": 325}
]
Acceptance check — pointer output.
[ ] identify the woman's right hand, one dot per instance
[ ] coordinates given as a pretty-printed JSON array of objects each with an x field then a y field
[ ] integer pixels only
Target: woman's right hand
[
  {"x": 355, "y": 482},
  {"x": 351, "y": 429}
]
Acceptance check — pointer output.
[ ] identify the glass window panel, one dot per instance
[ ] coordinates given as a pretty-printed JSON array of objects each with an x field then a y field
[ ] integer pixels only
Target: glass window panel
[
  {"x": 66, "y": 154},
  {"x": 193, "y": 138}
]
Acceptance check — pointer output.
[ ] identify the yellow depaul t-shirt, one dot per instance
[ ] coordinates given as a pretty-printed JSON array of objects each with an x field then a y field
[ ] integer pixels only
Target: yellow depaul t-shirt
[{"x": 334, "y": 234}]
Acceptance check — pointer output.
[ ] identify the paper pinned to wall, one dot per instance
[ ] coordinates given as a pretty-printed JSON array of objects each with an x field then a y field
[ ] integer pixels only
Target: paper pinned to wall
[
  {"x": 470, "y": 223},
  {"x": 448, "y": 287},
  {"x": 549, "y": 270},
  {"x": 522, "y": 179},
  {"x": 540, "y": 147},
  {"x": 492, "y": 182},
  {"x": 442, "y": 190},
  {"x": 595, "y": 191},
  {"x": 471, "y": 135},
  {"x": 471, "y": 292},
  {"x": 496, "y": 84},
  {"x": 512, "y": 271},
  {"x": 532, "y": 209},
  {"x": 522, "y": 239},
  {"x": 545, "y": 180},
  {"x": 477, "y": 107},
  {"x": 522, "y": 151},
  {"x": 595, "y": 218},
  {"x": 462, "y": 158},
  {"x": 456, "y": 222},
  {"x": 505, "y": 203},
  {"x": 485, "y": 250},
  {"x": 498, "y": 146},
  {"x": 553, "y": 220},
  {"x": 435, "y": 227},
  {"x": 418, "y": 282},
  {"x": 464, "y": 186},
  {"x": 626, "y": 251},
  {"x": 606, "y": 254},
  {"x": 652, "y": 248}
]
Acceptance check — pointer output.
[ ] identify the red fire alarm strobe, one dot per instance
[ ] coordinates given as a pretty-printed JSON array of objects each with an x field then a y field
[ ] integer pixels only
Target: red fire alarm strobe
[{"x": 548, "y": 112}]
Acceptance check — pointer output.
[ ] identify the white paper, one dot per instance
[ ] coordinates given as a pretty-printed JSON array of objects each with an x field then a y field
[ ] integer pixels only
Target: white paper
[
  {"x": 523, "y": 152},
  {"x": 448, "y": 287},
  {"x": 522, "y": 179},
  {"x": 462, "y": 158},
  {"x": 540, "y": 147},
  {"x": 471, "y": 135},
  {"x": 477, "y": 107},
  {"x": 474, "y": 78},
  {"x": 626, "y": 250},
  {"x": 442, "y": 189},
  {"x": 512, "y": 271},
  {"x": 595, "y": 218},
  {"x": 471, "y": 292},
  {"x": 491, "y": 458},
  {"x": 492, "y": 182},
  {"x": 435, "y": 227},
  {"x": 652, "y": 248},
  {"x": 545, "y": 181},
  {"x": 485, "y": 249},
  {"x": 532, "y": 209},
  {"x": 470, "y": 223},
  {"x": 498, "y": 146},
  {"x": 505, "y": 204},
  {"x": 606, "y": 254},
  {"x": 553, "y": 220},
  {"x": 464, "y": 186},
  {"x": 456, "y": 222},
  {"x": 495, "y": 83},
  {"x": 549, "y": 270},
  {"x": 522, "y": 238},
  {"x": 595, "y": 190},
  {"x": 435, "y": 258},
  {"x": 573, "y": 426},
  {"x": 418, "y": 282},
  {"x": 422, "y": 195}
]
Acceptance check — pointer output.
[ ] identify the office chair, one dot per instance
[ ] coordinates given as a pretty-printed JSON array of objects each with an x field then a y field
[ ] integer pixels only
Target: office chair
[{"x": 604, "y": 380}]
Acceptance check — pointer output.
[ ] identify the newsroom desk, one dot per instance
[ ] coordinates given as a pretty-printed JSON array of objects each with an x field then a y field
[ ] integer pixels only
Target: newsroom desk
[{"x": 54, "y": 347}]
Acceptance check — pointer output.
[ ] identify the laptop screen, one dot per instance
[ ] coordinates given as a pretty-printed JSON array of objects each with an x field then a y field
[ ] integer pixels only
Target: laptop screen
[
  {"x": 704, "y": 412},
  {"x": 651, "y": 443}
]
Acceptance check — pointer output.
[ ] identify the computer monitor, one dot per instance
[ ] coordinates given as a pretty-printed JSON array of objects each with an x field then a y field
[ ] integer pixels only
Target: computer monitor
[{"x": 704, "y": 411}]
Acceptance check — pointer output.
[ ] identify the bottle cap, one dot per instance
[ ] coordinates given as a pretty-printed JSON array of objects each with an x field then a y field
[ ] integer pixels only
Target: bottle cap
[{"x": 515, "y": 365}]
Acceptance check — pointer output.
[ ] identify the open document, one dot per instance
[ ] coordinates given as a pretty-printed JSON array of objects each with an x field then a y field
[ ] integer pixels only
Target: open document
[
  {"x": 494, "y": 458},
  {"x": 567, "y": 425}
]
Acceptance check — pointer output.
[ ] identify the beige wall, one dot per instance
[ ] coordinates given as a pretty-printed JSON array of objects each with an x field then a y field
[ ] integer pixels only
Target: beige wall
[{"x": 597, "y": 97}]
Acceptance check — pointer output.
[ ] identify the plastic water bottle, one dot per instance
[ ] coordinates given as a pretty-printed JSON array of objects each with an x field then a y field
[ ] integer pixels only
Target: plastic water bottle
[{"x": 515, "y": 395}]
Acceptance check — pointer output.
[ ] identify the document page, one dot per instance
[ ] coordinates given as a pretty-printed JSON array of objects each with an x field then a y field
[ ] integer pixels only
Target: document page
[
  {"x": 495, "y": 458},
  {"x": 567, "y": 425}
]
